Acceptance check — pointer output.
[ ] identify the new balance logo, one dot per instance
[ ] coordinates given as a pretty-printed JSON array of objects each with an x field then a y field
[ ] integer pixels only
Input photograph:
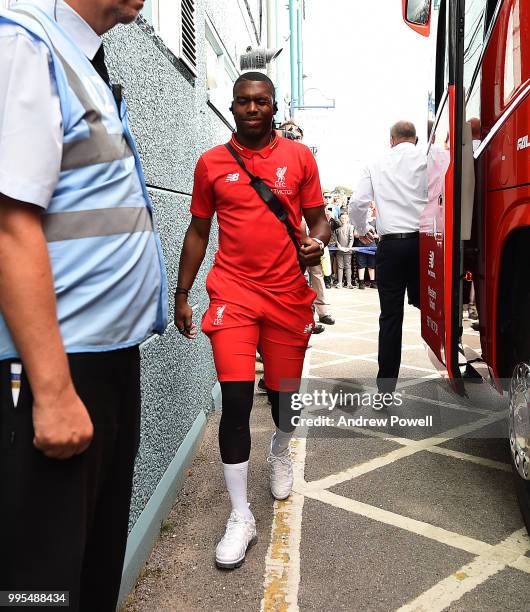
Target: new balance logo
[{"x": 232, "y": 178}]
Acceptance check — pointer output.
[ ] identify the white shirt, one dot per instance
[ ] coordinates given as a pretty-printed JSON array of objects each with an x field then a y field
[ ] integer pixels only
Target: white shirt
[
  {"x": 31, "y": 133},
  {"x": 397, "y": 182}
]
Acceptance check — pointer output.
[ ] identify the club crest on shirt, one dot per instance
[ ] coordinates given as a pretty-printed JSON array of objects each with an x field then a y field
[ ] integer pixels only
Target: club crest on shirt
[
  {"x": 219, "y": 315},
  {"x": 280, "y": 177}
]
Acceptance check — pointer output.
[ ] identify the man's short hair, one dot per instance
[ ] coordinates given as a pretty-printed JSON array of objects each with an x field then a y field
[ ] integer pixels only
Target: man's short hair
[
  {"x": 403, "y": 130},
  {"x": 255, "y": 76}
]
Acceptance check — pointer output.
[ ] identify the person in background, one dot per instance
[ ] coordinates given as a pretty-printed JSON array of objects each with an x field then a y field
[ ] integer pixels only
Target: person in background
[
  {"x": 344, "y": 236},
  {"x": 397, "y": 182},
  {"x": 332, "y": 245},
  {"x": 82, "y": 284},
  {"x": 367, "y": 260},
  {"x": 291, "y": 130},
  {"x": 335, "y": 202},
  {"x": 317, "y": 279}
]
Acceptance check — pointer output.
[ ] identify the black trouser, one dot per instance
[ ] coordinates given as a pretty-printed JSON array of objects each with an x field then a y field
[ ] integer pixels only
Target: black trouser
[
  {"x": 397, "y": 268},
  {"x": 234, "y": 426},
  {"x": 64, "y": 524}
]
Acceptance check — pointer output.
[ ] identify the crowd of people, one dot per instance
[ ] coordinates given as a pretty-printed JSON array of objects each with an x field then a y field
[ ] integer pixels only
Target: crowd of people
[{"x": 350, "y": 259}]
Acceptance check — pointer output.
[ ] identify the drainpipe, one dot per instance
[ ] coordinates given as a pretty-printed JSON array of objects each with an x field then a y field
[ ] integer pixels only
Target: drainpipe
[
  {"x": 300, "y": 49},
  {"x": 293, "y": 44},
  {"x": 279, "y": 63},
  {"x": 271, "y": 36}
]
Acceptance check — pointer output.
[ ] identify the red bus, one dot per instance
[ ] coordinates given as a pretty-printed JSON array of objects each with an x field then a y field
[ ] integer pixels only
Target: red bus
[{"x": 477, "y": 220}]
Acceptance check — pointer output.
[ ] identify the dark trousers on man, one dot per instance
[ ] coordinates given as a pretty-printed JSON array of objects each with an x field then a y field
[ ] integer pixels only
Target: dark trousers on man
[
  {"x": 64, "y": 524},
  {"x": 397, "y": 270}
]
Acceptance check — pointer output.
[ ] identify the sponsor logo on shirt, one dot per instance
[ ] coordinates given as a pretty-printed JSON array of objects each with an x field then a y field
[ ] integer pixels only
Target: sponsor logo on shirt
[
  {"x": 232, "y": 178},
  {"x": 280, "y": 176},
  {"x": 219, "y": 315}
]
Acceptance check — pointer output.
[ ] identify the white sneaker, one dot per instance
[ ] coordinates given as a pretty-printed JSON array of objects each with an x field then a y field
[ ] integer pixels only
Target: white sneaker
[
  {"x": 239, "y": 535},
  {"x": 281, "y": 476}
]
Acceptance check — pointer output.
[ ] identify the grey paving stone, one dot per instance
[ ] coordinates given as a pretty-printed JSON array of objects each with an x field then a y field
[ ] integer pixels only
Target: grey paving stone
[
  {"x": 332, "y": 450},
  {"x": 507, "y": 590},
  {"x": 456, "y": 495},
  {"x": 366, "y": 565}
]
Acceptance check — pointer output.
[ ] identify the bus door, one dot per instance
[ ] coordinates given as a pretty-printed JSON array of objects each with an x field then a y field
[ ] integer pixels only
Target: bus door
[{"x": 440, "y": 223}]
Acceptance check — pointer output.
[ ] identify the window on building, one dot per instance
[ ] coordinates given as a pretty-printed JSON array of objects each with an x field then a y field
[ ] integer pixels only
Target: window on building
[
  {"x": 175, "y": 22},
  {"x": 221, "y": 73}
]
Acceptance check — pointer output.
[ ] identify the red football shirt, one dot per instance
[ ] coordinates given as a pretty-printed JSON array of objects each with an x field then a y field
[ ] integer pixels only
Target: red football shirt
[{"x": 253, "y": 242}]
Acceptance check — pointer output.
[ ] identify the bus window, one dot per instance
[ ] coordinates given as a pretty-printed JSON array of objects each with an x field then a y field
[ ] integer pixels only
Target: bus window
[
  {"x": 474, "y": 33},
  {"x": 512, "y": 60}
]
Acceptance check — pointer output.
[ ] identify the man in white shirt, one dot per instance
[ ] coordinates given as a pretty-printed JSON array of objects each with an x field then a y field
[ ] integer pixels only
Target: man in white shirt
[
  {"x": 69, "y": 438},
  {"x": 397, "y": 182}
]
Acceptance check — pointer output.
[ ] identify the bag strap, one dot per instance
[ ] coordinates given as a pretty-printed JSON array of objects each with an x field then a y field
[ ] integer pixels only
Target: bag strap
[{"x": 270, "y": 198}]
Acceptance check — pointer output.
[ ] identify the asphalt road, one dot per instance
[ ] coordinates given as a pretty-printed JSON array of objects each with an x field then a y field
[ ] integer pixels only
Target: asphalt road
[{"x": 384, "y": 516}]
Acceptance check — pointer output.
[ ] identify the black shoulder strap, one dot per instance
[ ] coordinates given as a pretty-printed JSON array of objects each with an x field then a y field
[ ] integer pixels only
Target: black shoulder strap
[{"x": 269, "y": 197}]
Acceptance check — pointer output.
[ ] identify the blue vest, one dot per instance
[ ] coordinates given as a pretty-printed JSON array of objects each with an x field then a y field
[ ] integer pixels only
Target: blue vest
[{"x": 106, "y": 259}]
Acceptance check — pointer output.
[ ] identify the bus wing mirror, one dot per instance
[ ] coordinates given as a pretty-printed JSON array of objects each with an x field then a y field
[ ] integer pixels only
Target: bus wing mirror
[{"x": 417, "y": 15}]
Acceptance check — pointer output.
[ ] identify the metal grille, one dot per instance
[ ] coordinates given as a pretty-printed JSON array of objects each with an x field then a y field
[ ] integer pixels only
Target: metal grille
[{"x": 189, "y": 37}]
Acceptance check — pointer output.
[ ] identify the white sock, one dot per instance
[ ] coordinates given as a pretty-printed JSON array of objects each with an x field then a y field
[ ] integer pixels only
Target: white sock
[
  {"x": 280, "y": 442},
  {"x": 236, "y": 483}
]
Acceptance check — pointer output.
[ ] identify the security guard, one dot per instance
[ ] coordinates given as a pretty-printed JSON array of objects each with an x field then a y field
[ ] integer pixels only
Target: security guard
[{"x": 81, "y": 285}]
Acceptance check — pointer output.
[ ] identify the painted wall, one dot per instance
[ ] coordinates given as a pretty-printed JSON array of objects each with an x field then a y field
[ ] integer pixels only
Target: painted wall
[{"x": 173, "y": 124}]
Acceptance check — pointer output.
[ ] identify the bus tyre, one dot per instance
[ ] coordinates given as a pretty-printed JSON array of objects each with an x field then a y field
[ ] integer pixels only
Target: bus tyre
[{"x": 519, "y": 429}]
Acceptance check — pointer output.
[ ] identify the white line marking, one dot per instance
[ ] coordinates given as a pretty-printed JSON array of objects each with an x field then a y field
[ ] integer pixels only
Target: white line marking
[
  {"x": 470, "y": 576},
  {"x": 522, "y": 564},
  {"x": 404, "y": 365},
  {"x": 496, "y": 465},
  {"x": 415, "y": 446},
  {"x": 282, "y": 563},
  {"x": 440, "y": 403},
  {"x": 450, "y": 538}
]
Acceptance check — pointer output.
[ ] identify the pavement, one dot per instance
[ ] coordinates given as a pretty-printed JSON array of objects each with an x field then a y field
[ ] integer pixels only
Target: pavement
[{"x": 395, "y": 514}]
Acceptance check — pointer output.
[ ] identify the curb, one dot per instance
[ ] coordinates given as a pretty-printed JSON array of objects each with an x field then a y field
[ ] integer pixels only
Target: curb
[{"x": 147, "y": 528}]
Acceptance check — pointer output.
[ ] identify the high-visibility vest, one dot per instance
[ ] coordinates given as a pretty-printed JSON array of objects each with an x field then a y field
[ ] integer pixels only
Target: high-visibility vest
[{"x": 106, "y": 259}]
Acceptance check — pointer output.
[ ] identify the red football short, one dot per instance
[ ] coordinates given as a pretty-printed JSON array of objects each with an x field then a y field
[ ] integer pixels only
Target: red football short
[{"x": 243, "y": 316}]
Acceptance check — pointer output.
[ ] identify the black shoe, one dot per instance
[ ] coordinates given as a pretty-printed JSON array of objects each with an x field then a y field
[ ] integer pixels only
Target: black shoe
[
  {"x": 361, "y": 285},
  {"x": 475, "y": 326},
  {"x": 261, "y": 385},
  {"x": 327, "y": 319},
  {"x": 373, "y": 285},
  {"x": 318, "y": 329}
]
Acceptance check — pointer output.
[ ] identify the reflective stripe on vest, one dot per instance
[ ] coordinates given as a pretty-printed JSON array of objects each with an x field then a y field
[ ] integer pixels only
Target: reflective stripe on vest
[
  {"x": 92, "y": 223},
  {"x": 100, "y": 147}
]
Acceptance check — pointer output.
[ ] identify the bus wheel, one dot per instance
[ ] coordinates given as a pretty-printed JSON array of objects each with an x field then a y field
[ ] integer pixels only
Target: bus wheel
[{"x": 519, "y": 427}]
